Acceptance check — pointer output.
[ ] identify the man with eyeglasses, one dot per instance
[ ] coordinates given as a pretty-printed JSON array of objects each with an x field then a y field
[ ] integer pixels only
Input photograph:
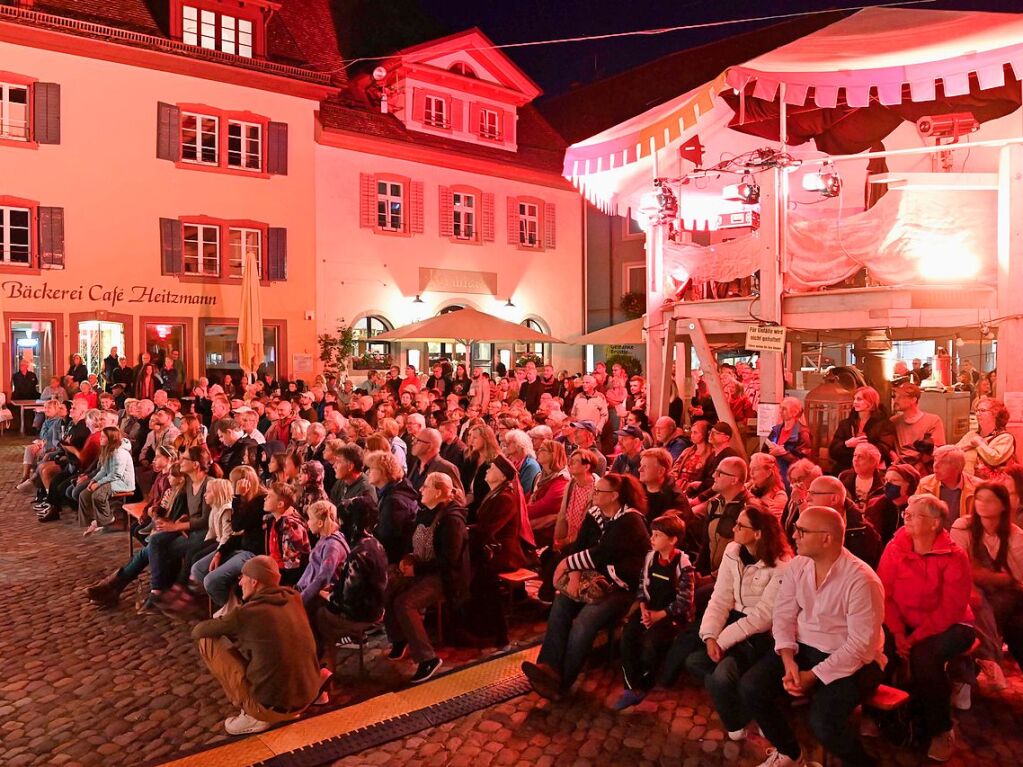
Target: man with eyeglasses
[
  {"x": 426, "y": 449},
  {"x": 861, "y": 537},
  {"x": 829, "y": 644},
  {"x": 722, "y": 509},
  {"x": 801, "y": 474},
  {"x": 950, "y": 483}
]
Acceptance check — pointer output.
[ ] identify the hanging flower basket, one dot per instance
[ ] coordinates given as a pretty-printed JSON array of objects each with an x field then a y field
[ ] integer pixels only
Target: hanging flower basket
[{"x": 633, "y": 304}]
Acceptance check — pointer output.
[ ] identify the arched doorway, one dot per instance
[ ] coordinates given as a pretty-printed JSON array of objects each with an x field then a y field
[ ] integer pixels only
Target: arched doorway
[
  {"x": 540, "y": 351},
  {"x": 370, "y": 354}
]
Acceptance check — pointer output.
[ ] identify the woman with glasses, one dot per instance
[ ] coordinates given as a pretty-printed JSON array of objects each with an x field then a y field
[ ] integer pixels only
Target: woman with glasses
[
  {"x": 990, "y": 449},
  {"x": 765, "y": 488},
  {"x": 801, "y": 474},
  {"x": 866, "y": 423},
  {"x": 928, "y": 622},
  {"x": 736, "y": 627},
  {"x": 549, "y": 492},
  {"x": 597, "y": 582}
]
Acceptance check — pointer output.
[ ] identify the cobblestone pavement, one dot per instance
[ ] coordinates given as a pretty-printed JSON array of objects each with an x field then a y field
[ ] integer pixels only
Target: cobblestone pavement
[
  {"x": 80, "y": 686},
  {"x": 676, "y": 728}
]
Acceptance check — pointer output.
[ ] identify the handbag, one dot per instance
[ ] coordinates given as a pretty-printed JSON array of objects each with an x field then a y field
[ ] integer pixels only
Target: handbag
[{"x": 593, "y": 587}]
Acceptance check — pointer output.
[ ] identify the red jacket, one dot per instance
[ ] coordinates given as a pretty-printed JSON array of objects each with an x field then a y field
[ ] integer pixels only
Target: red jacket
[{"x": 925, "y": 594}]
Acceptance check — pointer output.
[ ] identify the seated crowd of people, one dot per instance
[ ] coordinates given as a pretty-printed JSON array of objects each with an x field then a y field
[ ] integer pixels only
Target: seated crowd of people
[{"x": 307, "y": 516}]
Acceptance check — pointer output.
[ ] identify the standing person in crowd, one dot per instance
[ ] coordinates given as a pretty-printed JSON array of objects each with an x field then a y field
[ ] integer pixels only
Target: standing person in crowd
[
  {"x": 426, "y": 450},
  {"x": 994, "y": 545},
  {"x": 596, "y": 583},
  {"x": 663, "y": 608},
  {"x": 147, "y": 383},
  {"x": 950, "y": 482},
  {"x": 865, "y": 480},
  {"x": 77, "y": 369},
  {"x": 397, "y": 500},
  {"x": 789, "y": 440},
  {"x": 736, "y": 626},
  {"x": 436, "y": 568},
  {"x": 124, "y": 375},
  {"x": 549, "y": 493},
  {"x": 285, "y": 534},
  {"x": 765, "y": 488},
  {"x": 263, "y": 654},
  {"x": 866, "y": 423},
  {"x": 989, "y": 449},
  {"x": 918, "y": 432},
  {"x": 829, "y": 645},
  {"x": 25, "y": 383},
  {"x": 590, "y": 404},
  {"x": 928, "y": 620}
]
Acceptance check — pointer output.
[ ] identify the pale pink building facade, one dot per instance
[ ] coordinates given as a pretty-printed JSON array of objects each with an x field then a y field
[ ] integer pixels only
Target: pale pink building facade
[{"x": 126, "y": 226}]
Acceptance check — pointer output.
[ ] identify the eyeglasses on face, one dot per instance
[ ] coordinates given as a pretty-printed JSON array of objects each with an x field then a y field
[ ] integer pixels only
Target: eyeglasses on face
[
  {"x": 719, "y": 473},
  {"x": 603, "y": 490},
  {"x": 803, "y": 531},
  {"x": 740, "y": 526}
]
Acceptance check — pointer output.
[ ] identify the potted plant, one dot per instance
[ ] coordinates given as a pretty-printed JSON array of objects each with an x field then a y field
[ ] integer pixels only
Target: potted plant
[
  {"x": 633, "y": 304},
  {"x": 336, "y": 349}
]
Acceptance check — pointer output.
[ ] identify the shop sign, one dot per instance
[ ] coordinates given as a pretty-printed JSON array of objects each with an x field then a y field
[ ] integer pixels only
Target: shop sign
[
  {"x": 457, "y": 281},
  {"x": 765, "y": 338},
  {"x": 108, "y": 295}
]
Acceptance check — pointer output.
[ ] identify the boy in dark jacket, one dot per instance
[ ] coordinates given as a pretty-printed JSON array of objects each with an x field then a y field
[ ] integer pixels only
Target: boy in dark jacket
[
  {"x": 287, "y": 537},
  {"x": 663, "y": 607}
]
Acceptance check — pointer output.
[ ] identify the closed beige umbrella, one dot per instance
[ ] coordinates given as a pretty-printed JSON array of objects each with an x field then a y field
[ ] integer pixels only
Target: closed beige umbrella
[
  {"x": 250, "y": 321},
  {"x": 467, "y": 325},
  {"x": 623, "y": 333}
]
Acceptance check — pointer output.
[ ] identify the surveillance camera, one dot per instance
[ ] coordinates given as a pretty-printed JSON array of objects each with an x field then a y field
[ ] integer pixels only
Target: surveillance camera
[{"x": 379, "y": 74}]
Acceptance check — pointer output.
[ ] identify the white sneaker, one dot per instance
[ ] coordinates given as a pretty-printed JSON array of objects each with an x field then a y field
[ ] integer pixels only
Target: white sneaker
[
  {"x": 776, "y": 758},
  {"x": 993, "y": 674},
  {"x": 243, "y": 724},
  {"x": 26, "y": 486},
  {"x": 961, "y": 697},
  {"x": 737, "y": 735}
]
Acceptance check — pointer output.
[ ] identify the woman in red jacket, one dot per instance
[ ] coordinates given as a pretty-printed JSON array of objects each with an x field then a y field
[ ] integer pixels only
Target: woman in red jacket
[
  {"x": 928, "y": 621},
  {"x": 545, "y": 501}
]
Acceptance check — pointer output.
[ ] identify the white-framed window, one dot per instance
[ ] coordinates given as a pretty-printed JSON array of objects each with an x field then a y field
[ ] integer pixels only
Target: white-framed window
[
  {"x": 244, "y": 145},
  {"x": 463, "y": 215},
  {"x": 635, "y": 277},
  {"x": 390, "y": 206},
  {"x": 201, "y": 249},
  {"x": 16, "y": 236},
  {"x": 461, "y": 68},
  {"x": 199, "y": 138},
  {"x": 241, "y": 242},
  {"x": 436, "y": 112},
  {"x": 14, "y": 112},
  {"x": 529, "y": 225},
  {"x": 216, "y": 32},
  {"x": 489, "y": 124}
]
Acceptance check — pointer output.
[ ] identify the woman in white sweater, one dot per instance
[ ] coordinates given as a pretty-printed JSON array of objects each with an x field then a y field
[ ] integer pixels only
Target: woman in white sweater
[{"x": 736, "y": 628}]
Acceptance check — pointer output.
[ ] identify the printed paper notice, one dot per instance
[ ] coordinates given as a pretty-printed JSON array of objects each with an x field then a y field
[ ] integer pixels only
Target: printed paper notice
[
  {"x": 768, "y": 414},
  {"x": 1014, "y": 404},
  {"x": 765, "y": 338}
]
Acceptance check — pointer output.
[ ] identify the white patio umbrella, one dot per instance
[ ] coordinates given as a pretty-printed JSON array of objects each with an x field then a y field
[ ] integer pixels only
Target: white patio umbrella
[{"x": 467, "y": 326}]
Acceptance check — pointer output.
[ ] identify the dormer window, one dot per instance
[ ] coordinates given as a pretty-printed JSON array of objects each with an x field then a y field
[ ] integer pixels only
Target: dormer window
[
  {"x": 436, "y": 112},
  {"x": 217, "y": 31},
  {"x": 460, "y": 68}
]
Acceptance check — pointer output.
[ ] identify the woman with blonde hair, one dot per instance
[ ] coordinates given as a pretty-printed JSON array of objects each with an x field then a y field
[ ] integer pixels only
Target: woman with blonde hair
[
  {"x": 398, "y": 503},
  {"x": 327, "y": 557},
  {"x": 990, "y": 449},
  {"x": 483, "y": 449},
  {"x": 790, "y": 439},
  {"x": 866, "y": 423},
  {"x": 765, "y": 487},
  {"x": 549, "y": 491},
  {"x": 220, "y": 497}
]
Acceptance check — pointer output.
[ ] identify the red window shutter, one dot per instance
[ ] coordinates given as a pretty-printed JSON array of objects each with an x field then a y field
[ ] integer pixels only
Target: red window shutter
[
  {"x": 168, "y": 132},
  {"x": 46, "y": 113},
  {"x": 447, "y": 218},
  {"x": 549, "y": 225},
  {"x": 367, "y": 201},
  {"x": 51, "y": 238},
  {"x": 513, "y": 220},
  {"x": 474, "y": 118},
  {"x": 457, "y": 119},
  {"x": 170, "y": 245},
  {"x": 277, "y": 149},
  {"x": 417, "y": 223},
  {"x": 277, "y": 254},
  {"x": 418, "y": 105},
  {"x": 489, "y": 228},
  {"x": 501, "y": 119}
]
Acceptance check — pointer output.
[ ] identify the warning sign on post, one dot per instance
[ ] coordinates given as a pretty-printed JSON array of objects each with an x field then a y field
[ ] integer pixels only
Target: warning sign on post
[{"x": 765, "y": 338}]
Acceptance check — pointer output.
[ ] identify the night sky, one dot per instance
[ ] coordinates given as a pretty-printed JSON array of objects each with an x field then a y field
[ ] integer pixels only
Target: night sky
[{"x": 557, "y": 67}]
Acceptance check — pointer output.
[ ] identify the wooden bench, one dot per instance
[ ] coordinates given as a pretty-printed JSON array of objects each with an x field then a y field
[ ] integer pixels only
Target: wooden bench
[
  {"x": 517, "y": 580},
  {"x": 887, "y": 698}
]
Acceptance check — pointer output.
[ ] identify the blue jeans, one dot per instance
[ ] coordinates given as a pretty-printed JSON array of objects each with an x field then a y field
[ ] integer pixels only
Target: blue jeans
[
  {"x": 571, "y": 629},
  {"x": 166, "y": 552},
  {"x": 219, "y": 583},
  {"x": 831, "y": 705},
  {"x": 136, "y": 565},
  {"x": 722, "y": 679}
]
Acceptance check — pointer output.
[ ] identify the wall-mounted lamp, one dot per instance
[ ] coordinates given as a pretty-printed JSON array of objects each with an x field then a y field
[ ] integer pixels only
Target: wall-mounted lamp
[
  {"x": 417, "y": 300},
  {"x": 509, "y": 303}
]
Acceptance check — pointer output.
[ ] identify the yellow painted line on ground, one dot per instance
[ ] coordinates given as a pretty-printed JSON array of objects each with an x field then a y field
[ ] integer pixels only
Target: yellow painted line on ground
[{"x": 312, "y": 730}]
